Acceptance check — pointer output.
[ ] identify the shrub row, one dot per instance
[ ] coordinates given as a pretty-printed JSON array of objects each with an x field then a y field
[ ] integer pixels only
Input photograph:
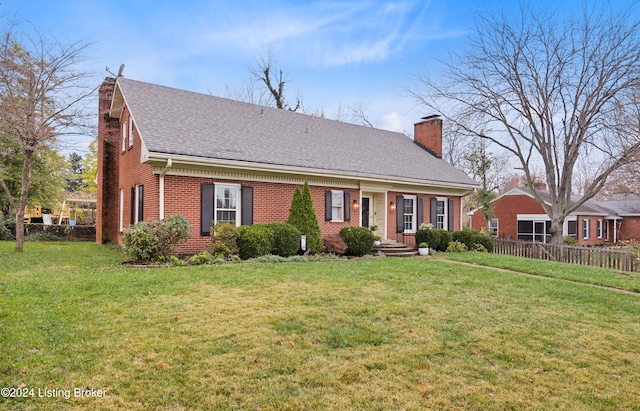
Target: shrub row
[
  {"x": 281, "y": 239},
  {"x": 436, "y": 238},
  {"x": 472, "y": 237},
  {"x": 439, "y": 240}
]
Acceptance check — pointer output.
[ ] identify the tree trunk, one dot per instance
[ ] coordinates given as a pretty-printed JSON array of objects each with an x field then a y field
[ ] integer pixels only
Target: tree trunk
[
  {"x": 24, "y": 195},
  {"x": 557, "y": 223}
]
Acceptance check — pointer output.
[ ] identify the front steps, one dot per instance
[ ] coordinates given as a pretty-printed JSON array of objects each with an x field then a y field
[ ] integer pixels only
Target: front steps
[{"x": 394, "y": 249}]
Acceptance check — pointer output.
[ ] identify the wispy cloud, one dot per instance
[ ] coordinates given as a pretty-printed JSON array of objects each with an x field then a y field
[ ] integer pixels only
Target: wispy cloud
[{"x": 325, "y": 33}]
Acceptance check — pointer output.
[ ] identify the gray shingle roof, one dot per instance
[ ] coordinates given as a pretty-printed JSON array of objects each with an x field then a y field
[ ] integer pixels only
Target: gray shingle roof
[
  {"x": 172, "y": 121},
  {"x": 627, "y": 206}
]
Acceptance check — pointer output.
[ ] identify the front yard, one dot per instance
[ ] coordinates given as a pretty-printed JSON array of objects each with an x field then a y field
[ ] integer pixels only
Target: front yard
[{"x": 366, "y": 334}]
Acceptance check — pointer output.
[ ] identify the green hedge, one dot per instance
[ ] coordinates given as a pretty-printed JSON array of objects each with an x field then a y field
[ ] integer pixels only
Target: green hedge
[
  {"x": 254, "y": 241},
  {"x": 286, "y": 239},
  {"x": 472, "y": 237},
  {"x": 359, "y": 240},
  {"x": 429, "y": 236},
  {"x": 281, "y": 239},
  {"x": 444, "y": 238}
]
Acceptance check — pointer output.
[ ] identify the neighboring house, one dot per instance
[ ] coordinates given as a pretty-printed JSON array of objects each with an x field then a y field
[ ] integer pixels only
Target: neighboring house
[
  {"x": 519, "y": 216},
  {"x": 163, "y": 151}
]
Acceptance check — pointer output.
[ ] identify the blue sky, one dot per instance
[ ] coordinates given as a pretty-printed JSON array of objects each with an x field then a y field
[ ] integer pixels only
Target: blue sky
[{"x": 336, "y": 53}]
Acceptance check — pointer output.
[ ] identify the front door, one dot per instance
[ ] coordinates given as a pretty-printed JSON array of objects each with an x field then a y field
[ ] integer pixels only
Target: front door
[{"x": 365, "y": 211}]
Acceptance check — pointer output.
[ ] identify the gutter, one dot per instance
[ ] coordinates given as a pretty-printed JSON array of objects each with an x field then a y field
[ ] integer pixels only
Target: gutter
[{"x": 281, "y": 169}]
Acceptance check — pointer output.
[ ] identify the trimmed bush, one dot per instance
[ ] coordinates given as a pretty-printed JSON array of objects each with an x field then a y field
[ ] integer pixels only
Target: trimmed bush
[
  {"x": 285, "y": 239},
  {"x": 456, "y": 247},
  {"x": 472, "y": 237},
  {"x": 444, "y": 238},
  {"x": 203, "y": 258},
  {"x": 465, "y": 236},
  {"x": 359, "y": 240},
  {"x": 480, "y": 248},
  {"x": 429, "y": 236},
  {"x": 225, "y": 239},
  {"x": 42, "y": 236},
  {"x": 568, "y": 240},
  {"x": 254, "y": 241},
  {"x": 334, "y": 244},
  {"x": 155, "y": 241},
  {"x": 485, "y": 241}
]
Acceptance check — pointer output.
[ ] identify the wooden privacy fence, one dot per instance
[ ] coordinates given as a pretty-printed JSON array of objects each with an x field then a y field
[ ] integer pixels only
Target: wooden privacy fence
[{"x": 594, "y": 256}]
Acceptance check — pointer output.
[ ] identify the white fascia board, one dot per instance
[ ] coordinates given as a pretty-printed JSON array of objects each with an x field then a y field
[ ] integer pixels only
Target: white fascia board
[{"x": 276, "y": 168}]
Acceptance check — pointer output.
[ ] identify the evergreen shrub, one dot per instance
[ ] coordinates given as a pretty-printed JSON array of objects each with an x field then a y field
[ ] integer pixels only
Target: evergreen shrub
[
  {"x": 285, "y": 239},
  {"x": 429, "y": 236},
  {"x": 254, "y": 241},
  {"x": 359, "y": 240},
  {"x": 444, "y": 238},
  {"x": 302, "y": 215}
]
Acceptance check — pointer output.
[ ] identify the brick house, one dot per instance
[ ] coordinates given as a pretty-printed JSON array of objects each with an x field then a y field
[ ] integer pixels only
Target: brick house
[
  {"x": 519, "y": 216},
  {"x": 164, "y": 151}
]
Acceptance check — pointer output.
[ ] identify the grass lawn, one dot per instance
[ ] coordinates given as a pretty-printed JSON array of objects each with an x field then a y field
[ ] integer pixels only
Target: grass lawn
[
  {"x": 369, "y": 334},
  {"x": 571, "y": 272}
]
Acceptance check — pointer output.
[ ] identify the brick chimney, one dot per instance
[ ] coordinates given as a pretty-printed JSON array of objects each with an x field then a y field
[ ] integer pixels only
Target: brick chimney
[
  {"x": 428, "y": 134},
  {"x": 107, "y": 207}
]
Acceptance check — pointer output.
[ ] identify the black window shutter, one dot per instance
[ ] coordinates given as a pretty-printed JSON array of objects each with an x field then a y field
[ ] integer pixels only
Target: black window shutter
[
  {"x": 450, "y": 216},
  {"x": 132, "y": 212},
  {"x": 434, "y": 211},
  {"x": 206, "y": 208},
  {"x": 140, "y": 203},
  {"x": 347, "y": 206},
  {"x": 246, "y": 217},
  {"x": 420, "y": 211},
  {"x": 327, "y": 205},
  {"x": 399, "y": 214}
]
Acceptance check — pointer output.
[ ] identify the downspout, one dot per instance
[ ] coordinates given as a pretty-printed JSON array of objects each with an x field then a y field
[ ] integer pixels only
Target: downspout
[{"x": 161, "y": 186}]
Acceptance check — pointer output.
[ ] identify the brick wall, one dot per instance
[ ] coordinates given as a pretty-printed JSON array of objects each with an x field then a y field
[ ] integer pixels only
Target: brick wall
[
  {"x": 506, "y": 210},
  {"x": 108, "y": 168},
  {"x": 391, "y": 214},
  {"x": 271, "y": 202},
  {"x": 133, "y": 173},
  {"x": 629, "y": 229},
  {"x": 428, "y": 135}
]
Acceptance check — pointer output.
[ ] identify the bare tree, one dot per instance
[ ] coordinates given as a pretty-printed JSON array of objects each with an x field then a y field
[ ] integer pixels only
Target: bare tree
[
  {"x": 40, "y": 92},
  {"x": 274, "y": 79},
  {"x": 545, "y": 90}
]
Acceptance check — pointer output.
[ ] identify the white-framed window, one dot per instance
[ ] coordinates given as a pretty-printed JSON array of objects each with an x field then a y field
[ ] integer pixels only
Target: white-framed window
[
  {"x": 124, "y": 135},
  {"x": 441, "y": 213},
  {"x": 130, "y": 132},
  {"x": 534, "y": 227},
  {"x": 586, "y": 228},
  {"x": 409, "y": 212},
  {"x": 599, "y": 228},
  {"x": 227, "y": 204},
  {"x": 493, "y": 225},
  {"x": 121, "y": 214},
  {"x": 337, "y": 205}
]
